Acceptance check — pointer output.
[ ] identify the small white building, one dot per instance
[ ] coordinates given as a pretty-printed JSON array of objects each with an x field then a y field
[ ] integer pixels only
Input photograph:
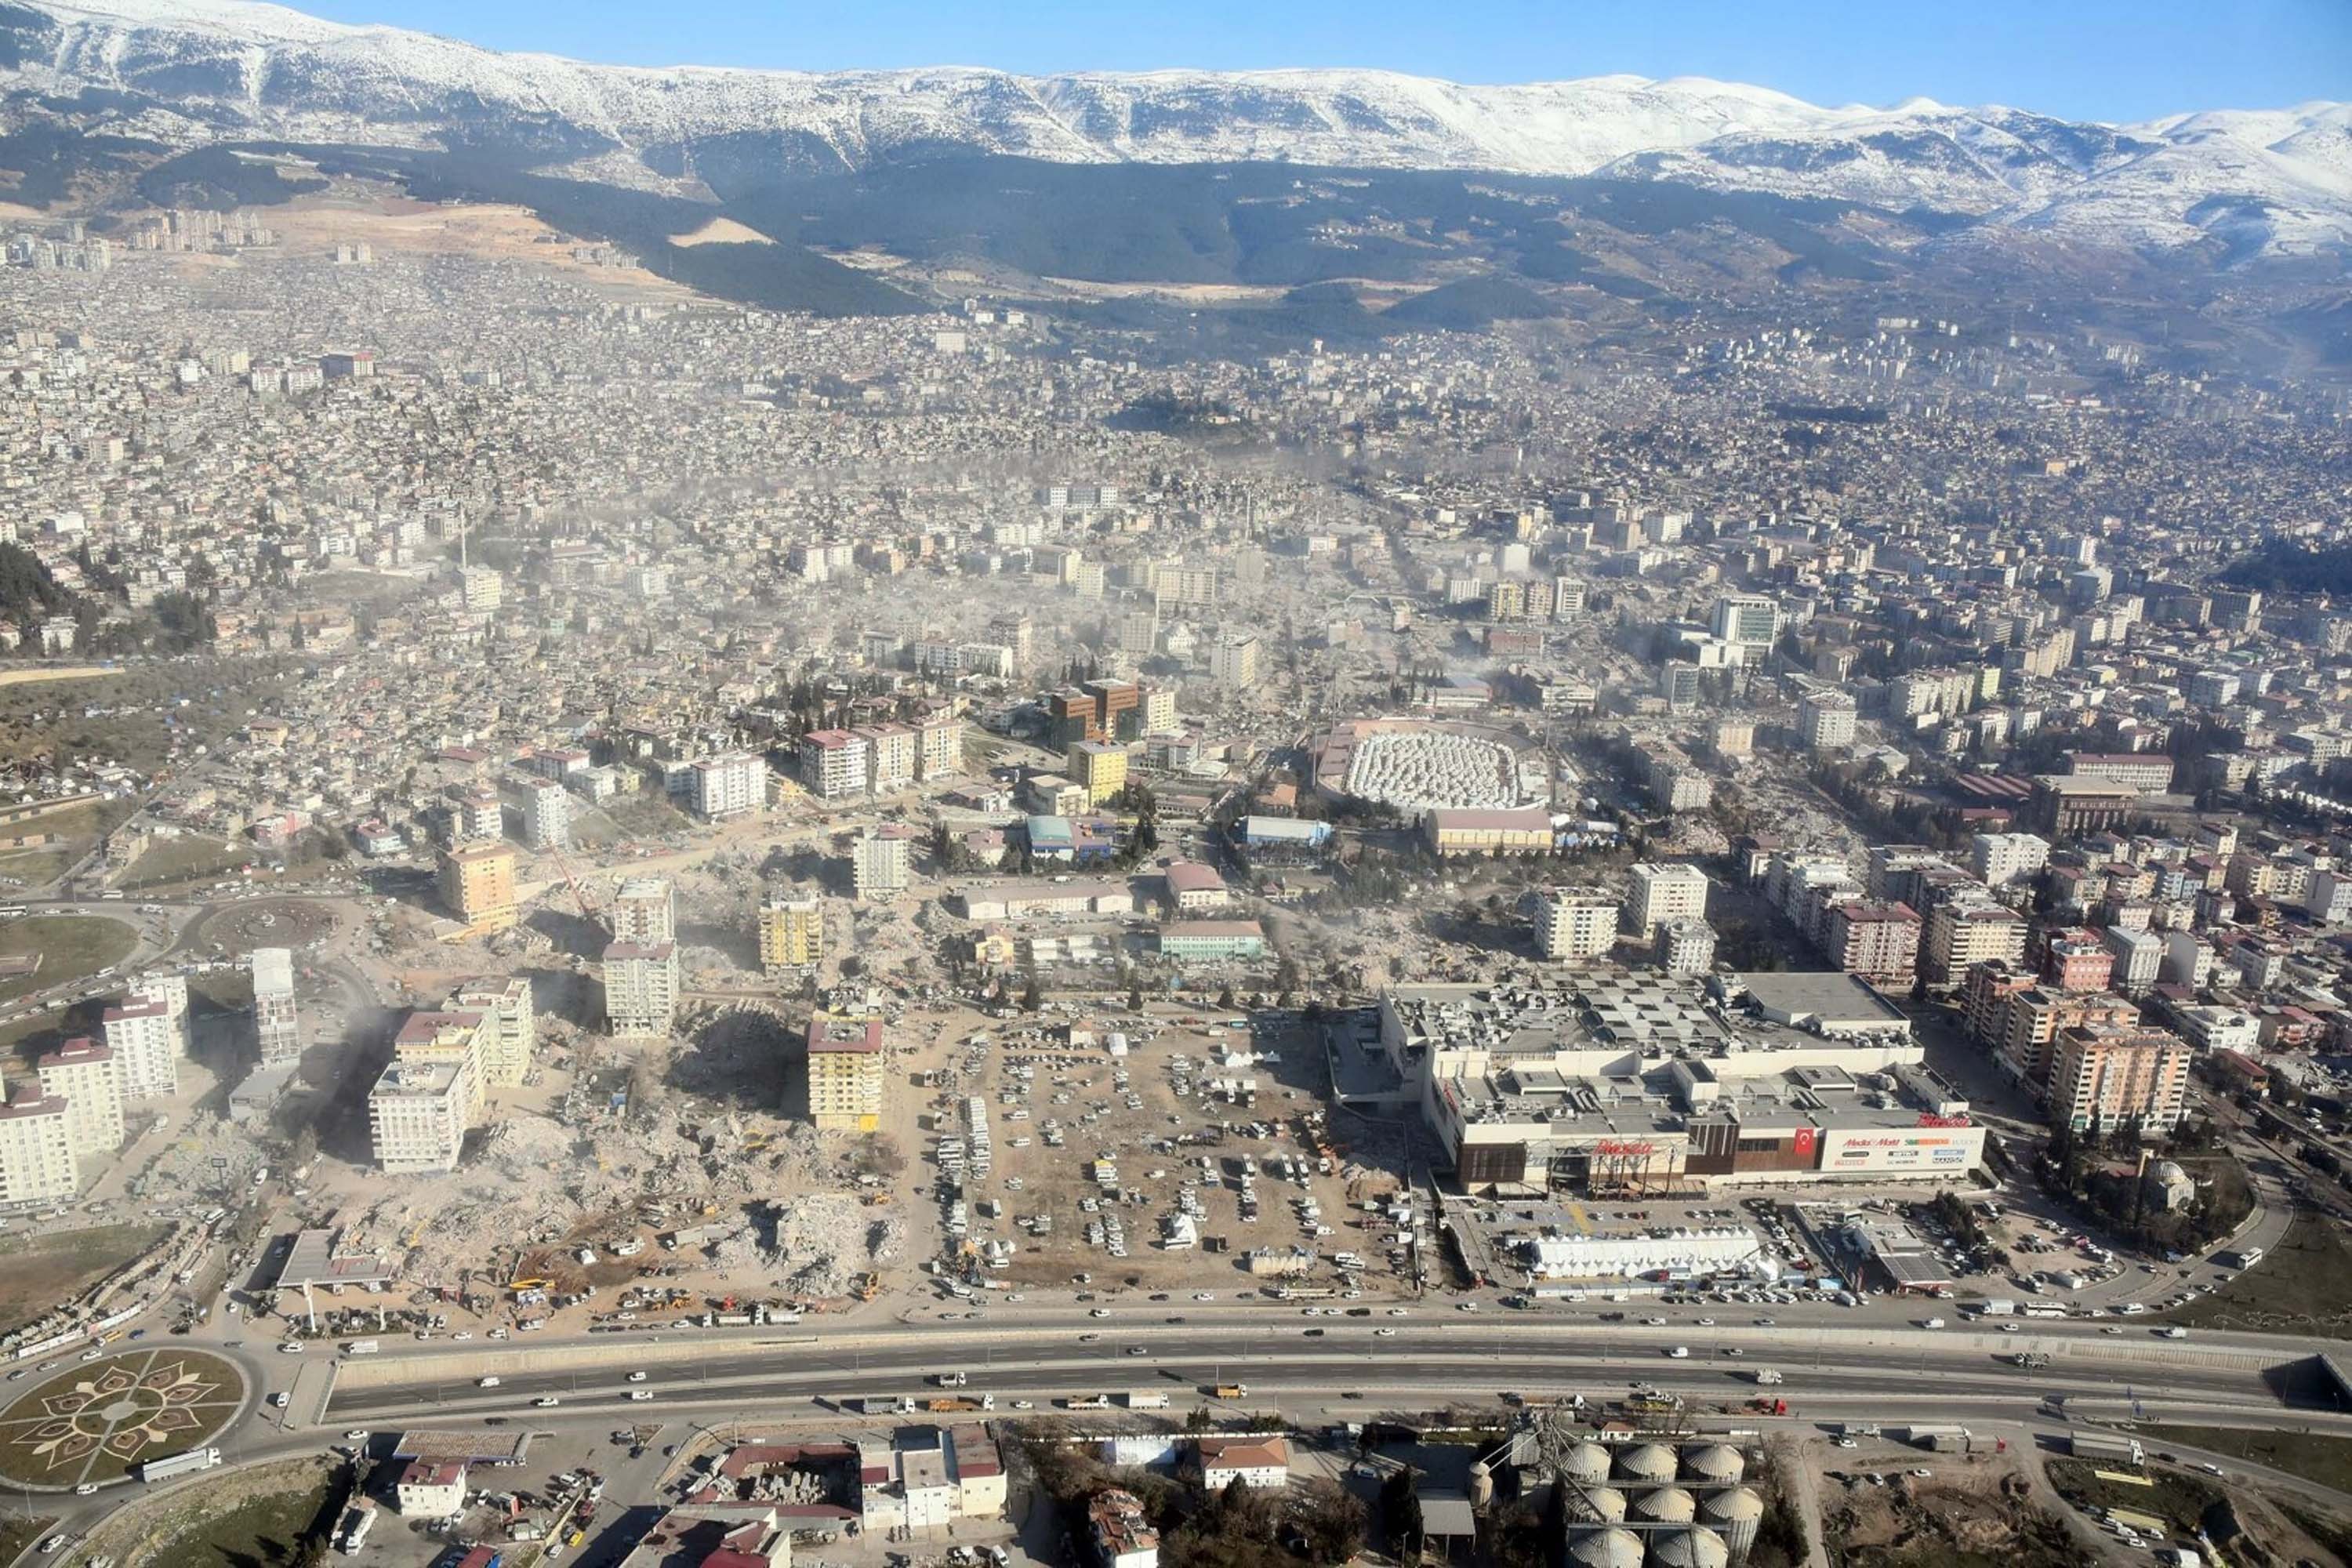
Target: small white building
[
  {"x": 1261, "y": 1464},
  {"x": 430, "y": 1489}
]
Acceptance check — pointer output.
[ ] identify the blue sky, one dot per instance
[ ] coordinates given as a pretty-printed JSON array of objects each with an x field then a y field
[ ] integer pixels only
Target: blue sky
[{"x": 2105, "y": 59}]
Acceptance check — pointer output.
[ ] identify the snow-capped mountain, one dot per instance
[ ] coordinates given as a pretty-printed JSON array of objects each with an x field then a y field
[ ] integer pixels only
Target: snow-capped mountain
[{"x": 191, "y": 72}]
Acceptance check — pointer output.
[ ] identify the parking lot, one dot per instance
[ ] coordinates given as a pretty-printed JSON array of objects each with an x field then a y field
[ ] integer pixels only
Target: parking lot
[{"x": 1111, "y": 1153}]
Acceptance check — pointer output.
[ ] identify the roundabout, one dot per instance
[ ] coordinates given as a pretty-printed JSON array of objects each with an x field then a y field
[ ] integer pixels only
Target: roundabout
[
  {"x": 265, "y": 923},
  {"x": 95, "y": 1420}
]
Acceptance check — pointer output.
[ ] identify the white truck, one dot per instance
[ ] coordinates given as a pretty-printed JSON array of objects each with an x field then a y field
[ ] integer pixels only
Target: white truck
[
  {"x": 1767, "y": 1375},
  {"x": 1998, "y": 1306},
  {"x": 950, "y": 1379}
]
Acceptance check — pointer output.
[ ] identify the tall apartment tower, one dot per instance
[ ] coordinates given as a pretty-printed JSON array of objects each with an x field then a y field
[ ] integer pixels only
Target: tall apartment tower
[
  {"x": 478, "y": 885},
  {"x": 641, "y": 986},
  {"x": 82, "y": 1073},
  {"x": 274, "y": 1020},
  {"x": 512, "y": 1037},
  {"x": 645, "y": 911},
  {"x": 845, "y": 1076},
  {"x": 141, "y": 1032},
  {"x": 792, "y": 935},
  {"x": 37, "y": 1157}
]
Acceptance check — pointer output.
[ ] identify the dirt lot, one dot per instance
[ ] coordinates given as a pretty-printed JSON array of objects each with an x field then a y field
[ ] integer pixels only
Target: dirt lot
[
  {"x": 1094, "y": 1154},
  {"x": 39, "y": 1272},
  {"x": 1963, "y": 1515}
]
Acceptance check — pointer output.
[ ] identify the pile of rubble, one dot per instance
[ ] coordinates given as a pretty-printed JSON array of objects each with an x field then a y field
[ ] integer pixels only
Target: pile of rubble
[{"x": 809, "y": 1244}]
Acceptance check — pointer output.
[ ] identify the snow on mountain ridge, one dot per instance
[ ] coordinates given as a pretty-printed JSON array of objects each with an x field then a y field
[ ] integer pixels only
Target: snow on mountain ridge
[{"x": 282, "y": 73}]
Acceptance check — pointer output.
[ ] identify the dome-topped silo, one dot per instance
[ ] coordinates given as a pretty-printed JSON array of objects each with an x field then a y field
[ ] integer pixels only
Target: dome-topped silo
[
  {"x": 1688, "y": 1548},
  {"x": 1586, "y": 1462},
  {"x": 1717, "y": 1464},
  {"x": 1650, "y": 1462},
  {"x": 1607, "y": 1548},
  {"x": 1736, "y": 1513},
  {"x": 1665, "y": 1505}
]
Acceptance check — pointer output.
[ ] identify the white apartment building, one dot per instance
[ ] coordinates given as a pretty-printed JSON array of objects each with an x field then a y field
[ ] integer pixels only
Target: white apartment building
[
  {"x": 37, "y": 1157},
  {"x": 1574, "y": 923},
  {"x": 275, "y": 1021},
  {"x": 645, "y": 911},
  {"x": 144, "y": 1038},
  {"x": 1667, "y": 891},
  {"x": 733, "y": 786},
  {"x": 2139, "y": 957},
  {"x": 835, "y": 764},
  {"x": 416, "y": 1117},
  {"x": 881, "y": 864},
  {"x": 1234, "y": 661},
  {"x": 938, "y": 747},
  {"x": 1686, "y": 947},
  {"x": 1826, "y": 720},
  {"x": 641, "y": 987},
  {"x": 546, "y": 815},
  {"x": 1156, "y": 710},
  {"x": 512, "y": 1040},
  {"x": 83, "y": 1074},
  {"x": 2002, "y": 858},
  {"x": 891, "y": 751}
]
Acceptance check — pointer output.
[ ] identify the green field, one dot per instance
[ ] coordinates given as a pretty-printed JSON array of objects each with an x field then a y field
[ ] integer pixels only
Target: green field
[
  {"x": 37, "y": 1272},
  {"x": 2315, "y": 1458},
  {"x": 71, "y": 946},
  {"x": 2304, "y": 1285},
  {"x": 190, "y": 856}
]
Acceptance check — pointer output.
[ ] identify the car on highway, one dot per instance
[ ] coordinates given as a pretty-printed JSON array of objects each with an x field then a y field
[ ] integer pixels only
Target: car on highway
[
  {"x": 1089, "y": 1339},
  {"x": 641, "y": 1395},
  {"x": 1399, "y": 1313},
  {"x": 92, "y": 1354},
  {"x": 1678, "y": 1352},
  {"x": 1099, "y": 1312},
  {"x": 1384, "y": 1334},
  {"x": 1135, "y": 1350},
  {"x": 356, "y": 1434},
  {"x": 636, "y": 1377},
  {"x": 291, "y": 1347},
  {"x": 1733, "y": 1351},
  {"x": 87, "y": 1489},
  {"x": 546, "y": 1401}
]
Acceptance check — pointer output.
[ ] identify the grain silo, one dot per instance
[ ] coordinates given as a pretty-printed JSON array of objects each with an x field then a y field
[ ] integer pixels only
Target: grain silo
[
  {"x": 1651, "y": 1464},
  {"x": 1586, "y": 1463},
  {"x": 1712, "y": 1464},
  {"x": 1691, "y": 1547},
  {"x": 1606, "y": 1548},
  {"x": 1735, "y": 1513},
  {"x": 1664, "y": 1505}
]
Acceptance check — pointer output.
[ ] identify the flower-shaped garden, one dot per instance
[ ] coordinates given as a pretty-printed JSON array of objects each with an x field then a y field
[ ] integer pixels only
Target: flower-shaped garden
[{"x": 98, "y": 1419}]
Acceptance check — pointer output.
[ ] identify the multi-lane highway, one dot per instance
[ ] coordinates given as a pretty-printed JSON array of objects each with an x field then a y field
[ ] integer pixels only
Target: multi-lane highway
[{"x": 1455, "y": 1359}]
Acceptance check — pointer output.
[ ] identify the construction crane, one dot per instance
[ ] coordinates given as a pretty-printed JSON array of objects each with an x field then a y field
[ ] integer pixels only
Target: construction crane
[{"x": 588, "y": 910}]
